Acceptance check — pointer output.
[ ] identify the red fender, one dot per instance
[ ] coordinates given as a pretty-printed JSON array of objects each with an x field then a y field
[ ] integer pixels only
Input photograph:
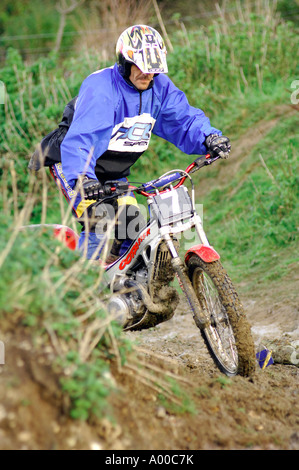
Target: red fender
[
  {"x": 206, "y": 253},
  {"x": 67, "y": 236}
]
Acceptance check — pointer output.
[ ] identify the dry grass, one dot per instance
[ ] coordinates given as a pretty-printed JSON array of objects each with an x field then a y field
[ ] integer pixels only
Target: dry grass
[{"x": 105, "y": 21}]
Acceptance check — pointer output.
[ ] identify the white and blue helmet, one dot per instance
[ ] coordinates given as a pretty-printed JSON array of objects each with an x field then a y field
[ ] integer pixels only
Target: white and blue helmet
[{"x": 142, "y": 46}]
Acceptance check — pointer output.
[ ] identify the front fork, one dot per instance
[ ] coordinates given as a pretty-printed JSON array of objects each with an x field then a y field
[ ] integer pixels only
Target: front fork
[
  {"x": 204, "y": 250},
  {"x": 179, "y": 268}
]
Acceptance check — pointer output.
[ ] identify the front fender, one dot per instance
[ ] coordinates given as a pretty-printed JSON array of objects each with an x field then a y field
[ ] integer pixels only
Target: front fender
[{"x": 206, "y": 253}]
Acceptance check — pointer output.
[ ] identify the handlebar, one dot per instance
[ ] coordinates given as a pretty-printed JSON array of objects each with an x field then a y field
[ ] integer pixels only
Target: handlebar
[
  {"x": 200, "y": 162},
  {"x": 117, "y": 188}
]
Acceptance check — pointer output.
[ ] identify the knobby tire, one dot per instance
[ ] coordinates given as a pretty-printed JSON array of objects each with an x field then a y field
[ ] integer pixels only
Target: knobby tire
[{"x": 226, "y": 313}]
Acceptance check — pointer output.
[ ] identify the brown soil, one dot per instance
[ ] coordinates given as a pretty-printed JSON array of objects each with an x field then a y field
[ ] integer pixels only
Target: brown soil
[
  {"x": 220, "y": 413},
  {"x": 236, "y": 413}
]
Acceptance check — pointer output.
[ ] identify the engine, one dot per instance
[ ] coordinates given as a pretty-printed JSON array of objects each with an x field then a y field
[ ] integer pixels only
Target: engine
[{"x": 126, "y": 304}]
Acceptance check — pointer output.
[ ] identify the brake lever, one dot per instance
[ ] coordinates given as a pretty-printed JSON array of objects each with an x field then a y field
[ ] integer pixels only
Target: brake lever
[{"x": 202, "y": 161}]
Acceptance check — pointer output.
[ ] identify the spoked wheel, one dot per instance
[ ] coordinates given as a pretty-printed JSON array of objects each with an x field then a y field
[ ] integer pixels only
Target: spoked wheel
[{"x": 228, "y": 337}]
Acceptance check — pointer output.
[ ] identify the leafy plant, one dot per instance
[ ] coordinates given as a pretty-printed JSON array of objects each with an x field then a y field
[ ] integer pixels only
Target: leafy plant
[{"x": 50, "y": 291}]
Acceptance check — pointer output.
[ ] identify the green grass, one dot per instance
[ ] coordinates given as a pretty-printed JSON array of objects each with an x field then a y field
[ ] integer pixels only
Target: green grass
[
  {"x": 254, "y": 225},
  {"x": 51, "y": 294},
  {"x": 184, "y": 402}
]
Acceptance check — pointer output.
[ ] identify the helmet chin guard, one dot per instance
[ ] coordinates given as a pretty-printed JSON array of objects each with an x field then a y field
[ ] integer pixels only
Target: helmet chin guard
[{"x": 142, "y": 46}]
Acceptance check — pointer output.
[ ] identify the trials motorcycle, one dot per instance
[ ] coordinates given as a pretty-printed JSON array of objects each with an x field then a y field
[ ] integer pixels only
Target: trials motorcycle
[{"x": 141, "y": 280}]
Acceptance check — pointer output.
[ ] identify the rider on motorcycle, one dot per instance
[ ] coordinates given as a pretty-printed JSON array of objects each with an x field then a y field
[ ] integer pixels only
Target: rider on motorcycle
[{"x": 116, "y": 111}]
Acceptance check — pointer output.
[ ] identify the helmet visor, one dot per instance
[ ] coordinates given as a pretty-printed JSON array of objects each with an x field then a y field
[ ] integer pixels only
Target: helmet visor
[
  {"x": 149, "y": 59},
  {"x": 155, "y": 60}
]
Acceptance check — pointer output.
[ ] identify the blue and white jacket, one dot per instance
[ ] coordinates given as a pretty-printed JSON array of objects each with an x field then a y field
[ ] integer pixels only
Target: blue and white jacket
[{"x": 113, "y": 122}]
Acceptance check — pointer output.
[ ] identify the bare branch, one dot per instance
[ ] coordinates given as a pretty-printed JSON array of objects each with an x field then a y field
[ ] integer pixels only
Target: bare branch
[{"x": 64, "y": 8}]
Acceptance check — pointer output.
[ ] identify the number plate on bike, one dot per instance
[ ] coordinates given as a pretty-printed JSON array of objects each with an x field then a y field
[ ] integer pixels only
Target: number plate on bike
[{"x": 172, "y": 206}]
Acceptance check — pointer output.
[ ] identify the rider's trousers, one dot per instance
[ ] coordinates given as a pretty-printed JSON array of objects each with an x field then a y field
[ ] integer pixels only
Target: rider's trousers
[{"x": 118, "y": 219}]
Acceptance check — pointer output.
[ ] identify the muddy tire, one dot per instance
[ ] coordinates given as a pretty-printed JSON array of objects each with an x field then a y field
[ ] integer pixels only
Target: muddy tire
[{"x": 228, "y": 338}]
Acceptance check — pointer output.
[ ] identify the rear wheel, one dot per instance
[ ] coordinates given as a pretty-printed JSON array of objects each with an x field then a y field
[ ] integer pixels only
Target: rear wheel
[{"x": 228, "y": 337}]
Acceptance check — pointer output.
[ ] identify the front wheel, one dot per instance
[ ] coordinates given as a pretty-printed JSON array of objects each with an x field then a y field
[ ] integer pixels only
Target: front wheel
[{"x": 228, "y": 337}]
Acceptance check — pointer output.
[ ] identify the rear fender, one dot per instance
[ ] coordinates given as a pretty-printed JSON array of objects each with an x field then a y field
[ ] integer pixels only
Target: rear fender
[
  {"x": 67, "y": 236},
  {"x": 206, "y": 253}
]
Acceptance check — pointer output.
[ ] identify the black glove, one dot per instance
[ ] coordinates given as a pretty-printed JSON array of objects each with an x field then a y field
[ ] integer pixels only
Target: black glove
[
  {"x": 92, "y": 189},
  {"x": 218, "y": 145}
]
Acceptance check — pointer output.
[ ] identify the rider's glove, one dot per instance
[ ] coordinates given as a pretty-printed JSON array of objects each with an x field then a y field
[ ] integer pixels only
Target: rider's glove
[
  {"x": 218, "y": 145},
  {"x": 92, "y": 189}
]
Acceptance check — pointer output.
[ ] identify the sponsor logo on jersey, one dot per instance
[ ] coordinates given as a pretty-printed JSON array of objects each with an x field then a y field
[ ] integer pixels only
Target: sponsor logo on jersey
[{"x": 133, "y": 133}]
